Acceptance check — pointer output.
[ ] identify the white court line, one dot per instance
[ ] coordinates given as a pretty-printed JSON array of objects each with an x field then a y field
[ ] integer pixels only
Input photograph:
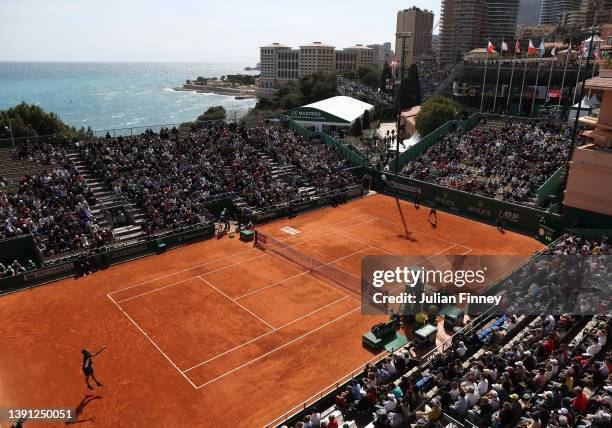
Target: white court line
[
  {"x": 223, "y": 268},
  {"x": 223, "y": 258},
  {"x": 185, "y": 280},
  {"x": 184, "y": 270},
  {"x": 419, "y": 231},
  {"x": 302, "y": 273},
  {"x": 151, "y": 340},
  {"x": 276, "y": 349},
  {"x": 228, "y": 256},
  {"x": 285, "y": 344},
  {"x": 228, "y": 297},
  {"x": 268, "y": 333}
]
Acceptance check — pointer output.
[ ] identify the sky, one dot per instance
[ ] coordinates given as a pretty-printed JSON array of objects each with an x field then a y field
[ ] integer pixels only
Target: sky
[{"x": 188, "y": 30}]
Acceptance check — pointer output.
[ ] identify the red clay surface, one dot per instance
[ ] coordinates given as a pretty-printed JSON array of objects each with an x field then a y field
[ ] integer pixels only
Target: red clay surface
[{"x": 218, "y": 333}]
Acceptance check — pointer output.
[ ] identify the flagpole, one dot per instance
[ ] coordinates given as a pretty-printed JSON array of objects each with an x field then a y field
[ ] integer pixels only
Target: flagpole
[
  {"x": 569, "y": 52},
  {"x": 484, "y": 78},
  {"x": 535, "y": 87},
  {"x": 522, "y": 89},
  {"x": 592, "y": 74},
  {"x": 511, "y": 77},
  {"x": 551, "y": 70},
  {"x": 577, "y": 77},
  {"x": 501, "y": 55}
]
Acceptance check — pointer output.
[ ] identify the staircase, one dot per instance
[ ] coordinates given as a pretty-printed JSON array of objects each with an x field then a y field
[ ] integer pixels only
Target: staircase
[
  {"x": 281, "y": 172},
  {"x": 107, "y": 201}
]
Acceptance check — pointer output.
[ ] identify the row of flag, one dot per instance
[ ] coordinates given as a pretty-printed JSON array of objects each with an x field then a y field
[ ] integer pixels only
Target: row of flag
[{"x": 532, "y": 50}]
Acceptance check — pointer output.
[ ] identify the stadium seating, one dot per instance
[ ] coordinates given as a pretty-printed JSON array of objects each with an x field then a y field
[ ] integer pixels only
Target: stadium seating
[{"x": 506, "y": 160}]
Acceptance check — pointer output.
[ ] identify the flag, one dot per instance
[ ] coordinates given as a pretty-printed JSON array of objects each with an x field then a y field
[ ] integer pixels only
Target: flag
[
  {"x": 504, "y": 47},
  {"x": 583, "y": 52},
  {"x": 541, "y": 48},
  {"x": 490, "y": 47},
  {"x": 517, "y": 47},
  {"x": 531, "y": 49}
]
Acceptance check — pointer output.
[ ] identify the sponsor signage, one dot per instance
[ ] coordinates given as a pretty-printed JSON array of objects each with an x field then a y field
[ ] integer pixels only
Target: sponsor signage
[{"x": 50, "y": 271}]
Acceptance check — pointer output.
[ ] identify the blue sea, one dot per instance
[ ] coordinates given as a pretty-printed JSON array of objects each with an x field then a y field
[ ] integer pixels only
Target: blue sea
[{"x": 115, "y": 95}]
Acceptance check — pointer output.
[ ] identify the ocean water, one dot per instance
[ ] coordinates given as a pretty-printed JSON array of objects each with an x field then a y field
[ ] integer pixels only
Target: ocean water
[{"x": 116, "y": 95}]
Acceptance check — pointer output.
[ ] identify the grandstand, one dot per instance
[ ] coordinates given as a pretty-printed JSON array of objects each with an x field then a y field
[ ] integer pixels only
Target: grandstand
[{"x": 229, "y": 333}]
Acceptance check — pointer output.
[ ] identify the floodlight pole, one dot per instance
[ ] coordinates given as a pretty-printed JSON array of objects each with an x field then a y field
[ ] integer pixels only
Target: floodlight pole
[
  {"x": 575, "y": 130},
  {"x": 404, "y": 36}
]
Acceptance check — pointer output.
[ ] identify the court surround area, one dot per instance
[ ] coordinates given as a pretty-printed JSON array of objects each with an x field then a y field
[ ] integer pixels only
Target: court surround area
[{"x": 220, "y": 333}]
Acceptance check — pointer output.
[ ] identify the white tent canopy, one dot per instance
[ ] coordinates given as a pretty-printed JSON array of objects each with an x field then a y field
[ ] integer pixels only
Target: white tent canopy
[{"x": 345, "y": 108}]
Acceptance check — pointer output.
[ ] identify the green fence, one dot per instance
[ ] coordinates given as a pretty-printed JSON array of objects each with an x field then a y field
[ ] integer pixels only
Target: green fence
[
  {"x": 471, "y": 122},
  {"x": 550, "y": 186},
  {"x": 423, "y": 145},
  {"x": 352, "y": 158},
  {"x": 102, "y": 259},
  {"x": 481, "y": 208},
  {"x": 286, "y": 210},
  {"x": 20, "y": 248}
]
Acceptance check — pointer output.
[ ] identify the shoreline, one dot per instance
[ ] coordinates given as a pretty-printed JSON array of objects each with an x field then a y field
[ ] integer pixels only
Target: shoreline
[{"x": 243, "y": 92}]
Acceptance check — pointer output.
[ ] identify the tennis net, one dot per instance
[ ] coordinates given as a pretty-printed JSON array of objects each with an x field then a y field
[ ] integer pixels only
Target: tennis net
[{"x": 346, "y": 280}]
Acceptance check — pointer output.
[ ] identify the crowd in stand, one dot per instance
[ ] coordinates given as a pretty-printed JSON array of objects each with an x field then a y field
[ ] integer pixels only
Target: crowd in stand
[
  {"x": 356, "y": 89},
  {"x": 53, "y": 205},
  {"x": 510, "y": 162},
  {"x": 431, "y": 76},
  {"x": 573, "y": 275},
  {"x": 40, "y": 152},
  {"x": 171, "y": 174},
  {"x": 533, "y": 377},
  {"x": 16, "y": 268},
  {"x": 570, "y": 244}
]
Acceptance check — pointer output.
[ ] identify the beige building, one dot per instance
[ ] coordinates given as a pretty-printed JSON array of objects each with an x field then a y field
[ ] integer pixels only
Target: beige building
[
  {"x": 378, "y": 52},
  {"x": 363, "y": 56},
  {"x": 537, "y": 32},
  {"x": 462, "y": 24},
  {"x": 281, "y": 64},
  {"x": 315, "y": 57},
  {"x": 591, "y": 166},
  {"x": 418, "y": 24}
]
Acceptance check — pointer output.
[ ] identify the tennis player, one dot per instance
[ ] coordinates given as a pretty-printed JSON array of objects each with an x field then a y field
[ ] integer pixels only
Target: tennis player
[
  {"x": 88, "y": 370},
  {"x": 432, "y": 212}
]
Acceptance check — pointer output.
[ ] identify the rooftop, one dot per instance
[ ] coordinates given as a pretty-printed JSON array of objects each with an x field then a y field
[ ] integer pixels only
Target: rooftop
[
  {"x": 598, "y": 82},
  {"x": 345, "y": 108},
  {"x": 316, "y": 44}
]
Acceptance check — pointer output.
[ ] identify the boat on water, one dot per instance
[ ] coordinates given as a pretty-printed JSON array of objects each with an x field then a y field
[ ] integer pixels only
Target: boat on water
[{"x": 257, "y": 67}]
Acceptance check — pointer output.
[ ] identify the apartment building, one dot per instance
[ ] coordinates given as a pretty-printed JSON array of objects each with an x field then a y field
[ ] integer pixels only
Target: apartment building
[
  {"x": 418, "y": 25},
  {"x": 281, "y": 64},
  {"x": 462, "y": 24}
]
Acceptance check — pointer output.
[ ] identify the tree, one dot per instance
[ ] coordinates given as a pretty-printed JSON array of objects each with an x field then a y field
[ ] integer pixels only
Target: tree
[
  {"x": 213, "y": 113},
  {"x": 308, "y": 89},
  {"x": 356, "y": 131},
  {"x": 434, "y": 113},
  {"x": 366, "y": 119},
  {"x": 386, "y": 74},
  {"x": 28, "y": 120},
  {"x": 410, "y": 89},
  {"x": 368, "y": 75}
]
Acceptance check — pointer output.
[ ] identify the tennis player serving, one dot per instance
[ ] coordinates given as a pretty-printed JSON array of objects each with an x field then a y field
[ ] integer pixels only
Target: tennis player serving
[{"x": 88, "y": 370}]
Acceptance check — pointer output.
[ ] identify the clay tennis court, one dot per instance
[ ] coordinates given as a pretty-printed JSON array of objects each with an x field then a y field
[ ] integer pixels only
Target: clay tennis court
[{"x": 219, "y": 333}]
